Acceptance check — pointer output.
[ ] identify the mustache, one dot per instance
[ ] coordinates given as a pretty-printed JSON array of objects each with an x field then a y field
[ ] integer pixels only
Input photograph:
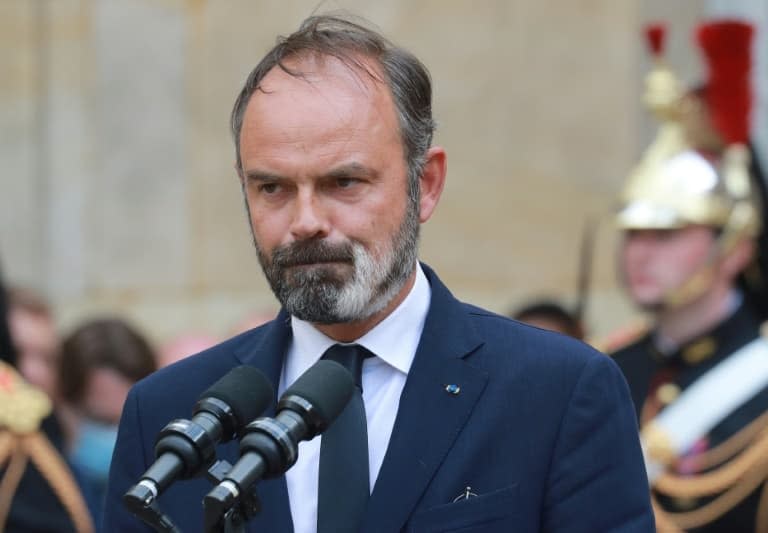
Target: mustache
[{"x": 312, "y": 251}]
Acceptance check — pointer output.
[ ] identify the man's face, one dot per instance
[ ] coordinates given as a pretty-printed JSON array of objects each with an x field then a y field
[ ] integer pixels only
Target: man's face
[
  {"x": 655, "y": 263},
  {"x": 105, "y": 394},
  {"x": 325, "y": 183},
  {"x": 36, "y": 341}
]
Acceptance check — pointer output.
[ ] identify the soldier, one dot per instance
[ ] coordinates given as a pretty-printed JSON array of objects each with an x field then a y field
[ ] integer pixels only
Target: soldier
[
  {"x": 37, "y": 489},
  {"x": 691, "y": 221}
]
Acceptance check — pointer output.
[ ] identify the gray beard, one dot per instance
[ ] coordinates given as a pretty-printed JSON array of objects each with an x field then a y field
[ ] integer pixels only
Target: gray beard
[{"x": 321, "y": 294}]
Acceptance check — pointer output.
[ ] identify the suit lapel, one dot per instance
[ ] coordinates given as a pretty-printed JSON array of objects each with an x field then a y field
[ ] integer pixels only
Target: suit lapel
[
  {"x": 430, "y": 416},
  {"x": 266, "y": 353}
]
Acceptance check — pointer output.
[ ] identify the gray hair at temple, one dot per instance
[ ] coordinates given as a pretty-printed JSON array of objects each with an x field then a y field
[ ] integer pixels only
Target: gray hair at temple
[{"x": 336, "y": 36}]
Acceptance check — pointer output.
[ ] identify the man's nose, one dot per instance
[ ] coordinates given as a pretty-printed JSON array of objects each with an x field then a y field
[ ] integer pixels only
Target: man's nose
[
  {"x": 641, "y": 248},
  {"x": 310, "y": 218}
]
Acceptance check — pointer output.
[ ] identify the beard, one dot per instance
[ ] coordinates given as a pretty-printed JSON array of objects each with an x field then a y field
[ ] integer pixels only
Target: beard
[{"x": 332, "y": 283}]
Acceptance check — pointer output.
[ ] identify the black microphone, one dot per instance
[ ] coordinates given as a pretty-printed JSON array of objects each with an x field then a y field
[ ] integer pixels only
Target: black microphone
[
  {"x": 187, "y": 448},
  {"x": 270, "y": 445}
]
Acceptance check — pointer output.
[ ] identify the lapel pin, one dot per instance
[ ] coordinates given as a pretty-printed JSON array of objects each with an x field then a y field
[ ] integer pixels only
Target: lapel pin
[{"x": 452, "y": 388}]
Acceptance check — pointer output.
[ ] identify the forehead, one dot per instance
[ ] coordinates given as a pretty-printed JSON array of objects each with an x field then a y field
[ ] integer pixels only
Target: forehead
[
  {"x": 25, "y": 321},
  {"x": 320, "y": 92},
  {"x": 685, "y": 235},
  {"x": 357, "y": 70}
]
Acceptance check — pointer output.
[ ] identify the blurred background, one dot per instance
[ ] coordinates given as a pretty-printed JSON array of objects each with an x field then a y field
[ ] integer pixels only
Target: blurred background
[{"x": 118, "y": 191}]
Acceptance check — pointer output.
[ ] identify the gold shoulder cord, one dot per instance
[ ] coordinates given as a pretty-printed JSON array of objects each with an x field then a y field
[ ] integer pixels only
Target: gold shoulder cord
[
  {"x": 57, "y": 473},
  {"x": 730, "y": 447},
  {"x": 734, "y": 481},
  {"x": 761, "y": 523},
  {"x": 18, "y": 450},
  {"x": 22, "y": 408}
]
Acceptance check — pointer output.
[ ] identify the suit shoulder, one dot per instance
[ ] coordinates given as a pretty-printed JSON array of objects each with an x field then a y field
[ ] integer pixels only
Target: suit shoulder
[{"x": 524, "y": 342}]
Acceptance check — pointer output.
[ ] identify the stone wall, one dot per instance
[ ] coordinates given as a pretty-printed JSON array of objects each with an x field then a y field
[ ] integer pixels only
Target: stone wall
[{"x": 118, "y": 192}]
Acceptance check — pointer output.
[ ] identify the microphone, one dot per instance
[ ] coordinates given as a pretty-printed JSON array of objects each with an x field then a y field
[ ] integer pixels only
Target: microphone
[
  {"x": 270, "y": 445},
  {"x": 186, "y": 448}
]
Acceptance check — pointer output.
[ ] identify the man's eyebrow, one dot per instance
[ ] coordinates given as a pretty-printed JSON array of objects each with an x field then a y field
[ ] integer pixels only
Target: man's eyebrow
[
  {"x": 346, "y": 170},
  {"x": 352, "y": 170},
  {"x": 260, "y": 175}
]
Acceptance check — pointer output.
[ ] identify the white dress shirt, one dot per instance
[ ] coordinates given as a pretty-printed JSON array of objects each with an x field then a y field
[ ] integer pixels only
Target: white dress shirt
[{"x": 394, "y": 341}]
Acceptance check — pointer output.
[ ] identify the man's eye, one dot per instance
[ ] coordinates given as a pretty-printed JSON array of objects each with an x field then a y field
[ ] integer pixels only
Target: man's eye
[
  {"x": 269, "y": 188},
  {"x": 345, "y": 183}
]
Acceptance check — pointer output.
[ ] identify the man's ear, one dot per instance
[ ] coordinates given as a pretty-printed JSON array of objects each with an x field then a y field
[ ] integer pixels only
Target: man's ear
[{"x": 432, "y": 181}]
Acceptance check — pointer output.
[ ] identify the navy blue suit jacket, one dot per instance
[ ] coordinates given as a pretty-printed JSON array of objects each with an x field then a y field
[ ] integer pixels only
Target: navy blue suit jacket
[{"x": 542, "y": 430}]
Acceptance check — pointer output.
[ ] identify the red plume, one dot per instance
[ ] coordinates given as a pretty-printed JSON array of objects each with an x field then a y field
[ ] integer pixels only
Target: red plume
[
  {"x": 655, "y": 34},
  {"x": 727, "y": 51}
]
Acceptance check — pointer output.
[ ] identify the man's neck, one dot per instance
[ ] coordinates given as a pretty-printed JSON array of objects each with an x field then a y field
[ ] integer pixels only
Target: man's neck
[{"x": 679, "y": 325}]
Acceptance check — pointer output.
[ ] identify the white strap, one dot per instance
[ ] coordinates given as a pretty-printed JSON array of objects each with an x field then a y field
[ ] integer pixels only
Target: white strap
[{"x": 710, "y": 399}]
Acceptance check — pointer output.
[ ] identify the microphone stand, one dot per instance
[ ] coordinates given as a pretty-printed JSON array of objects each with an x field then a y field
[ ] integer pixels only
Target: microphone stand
[
  {"x": 226, "y": 519},
  {"x": 140, "y": 500}
]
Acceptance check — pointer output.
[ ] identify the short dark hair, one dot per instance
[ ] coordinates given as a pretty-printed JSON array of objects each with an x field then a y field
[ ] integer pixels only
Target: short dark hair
[
  {"x": 103, "y": 343},
  {"x": 567, "y": 321},
  {"x": 338, "y": 36}
]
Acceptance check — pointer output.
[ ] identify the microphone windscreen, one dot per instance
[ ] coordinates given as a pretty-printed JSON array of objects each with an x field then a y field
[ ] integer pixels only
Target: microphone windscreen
[
  {"x": 327, "y": 386},
  {"x": 245, "y": 389}
]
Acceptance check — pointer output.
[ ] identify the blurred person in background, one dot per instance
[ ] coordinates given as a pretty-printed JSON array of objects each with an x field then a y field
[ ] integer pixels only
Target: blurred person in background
[
  {"x": 38, "y": 490},
  {"x": 692, "y": 220},
  {"x": 184, "y": 345},
  {"x": 551, "y": 315},
  {"x": 34, "y": 334},
  {"x": 253, "y": 319},
  {"x": 100, "y": 360}
]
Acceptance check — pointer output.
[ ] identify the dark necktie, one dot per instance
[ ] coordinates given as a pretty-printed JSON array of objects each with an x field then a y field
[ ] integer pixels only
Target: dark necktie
[{"x": 343, "y": 487}]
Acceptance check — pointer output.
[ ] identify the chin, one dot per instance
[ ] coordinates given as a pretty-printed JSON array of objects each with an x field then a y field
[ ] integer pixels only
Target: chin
[
  {"x": 646, "y": 300},
  {"x": 651, "y": 307}
]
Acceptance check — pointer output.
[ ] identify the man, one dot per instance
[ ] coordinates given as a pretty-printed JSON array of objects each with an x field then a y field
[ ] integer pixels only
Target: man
[
  {"x": 101, "y": 358},
  {"x": 473, "y": 421},
  {"x": 699, "y": 378},
  {"x": 38, "y": 490},
  {"x": 37, "y": 342}
]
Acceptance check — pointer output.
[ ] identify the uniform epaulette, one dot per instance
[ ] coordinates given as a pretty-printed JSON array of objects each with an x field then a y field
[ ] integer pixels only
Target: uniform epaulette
[
  {"x": 621, "y": 337},
  {"x": 22, "y": 406},
  {"x": 22, "y": 410}
]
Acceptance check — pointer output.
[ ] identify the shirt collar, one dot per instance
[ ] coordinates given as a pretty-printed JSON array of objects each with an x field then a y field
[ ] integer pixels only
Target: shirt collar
[{"x": 394, "y": 339}]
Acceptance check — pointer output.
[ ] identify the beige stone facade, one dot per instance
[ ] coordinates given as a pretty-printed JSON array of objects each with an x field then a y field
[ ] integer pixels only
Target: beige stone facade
[{"x": 118, "y": 192}]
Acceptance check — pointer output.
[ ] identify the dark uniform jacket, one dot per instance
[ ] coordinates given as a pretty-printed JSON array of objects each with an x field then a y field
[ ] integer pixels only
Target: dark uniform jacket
[{"x": 655, "y": 380}]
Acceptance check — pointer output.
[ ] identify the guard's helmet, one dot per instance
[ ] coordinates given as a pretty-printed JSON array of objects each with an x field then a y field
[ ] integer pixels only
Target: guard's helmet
[
  {"x": 689, "y": 176},
  {"x": 688, "y": 189}
]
